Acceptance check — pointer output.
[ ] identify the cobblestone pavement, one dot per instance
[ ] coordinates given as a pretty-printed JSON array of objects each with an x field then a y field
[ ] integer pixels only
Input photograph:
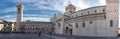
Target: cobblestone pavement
[{"x": 47, "y": 36}]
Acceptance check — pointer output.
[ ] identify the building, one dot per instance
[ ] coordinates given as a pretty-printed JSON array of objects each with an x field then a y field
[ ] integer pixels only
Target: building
[
  {"x": 98, "y": 21},
  {"x": 19, "y": 17},
  {"x": 36, "y": 27},
  {"x": 119, "y": 31},
  {"x": 1, "y": 24},
  {"x": 5, "y": 26}
]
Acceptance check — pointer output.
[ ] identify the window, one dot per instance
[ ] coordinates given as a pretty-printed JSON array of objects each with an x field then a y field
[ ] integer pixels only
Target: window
[
  {"x": 88, "y": 12},
  {"x": 59, "y": 24},
  {"x": 81, "y": 13},
  {"x": 103, "y": 10},
  {"x": 115, "y": 10},
  {"x": 90, "y": 22},
  {"x": 104, "y": 17},
  {"x": 83, "y": 25},
  {"x": 71, "y": 16},
  {"x": 76, "y": 15},
  {"x": 76, "y": 25},
  {"x": 111, "y": 23},
  {"x": 18, "y": 8},
  {"x": 95, "y": 11}
]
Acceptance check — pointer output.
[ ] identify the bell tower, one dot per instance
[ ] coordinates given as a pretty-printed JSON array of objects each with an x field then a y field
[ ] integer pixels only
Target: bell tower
[
  {"x": 112, "y": 17},
  {"x": 19, "y": 17},
  {"x": 70, "y": 8}
]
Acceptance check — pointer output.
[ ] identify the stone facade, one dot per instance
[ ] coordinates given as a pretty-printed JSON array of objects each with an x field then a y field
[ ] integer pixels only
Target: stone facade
[
  {"x": 99, "y": 21},
  {"x": 36, "y": 27},
  {"x": 19, "y": 17}
]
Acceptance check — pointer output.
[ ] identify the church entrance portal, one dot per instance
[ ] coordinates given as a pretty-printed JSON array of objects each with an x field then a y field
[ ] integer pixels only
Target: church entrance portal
[{"x": 68, "y": 31}]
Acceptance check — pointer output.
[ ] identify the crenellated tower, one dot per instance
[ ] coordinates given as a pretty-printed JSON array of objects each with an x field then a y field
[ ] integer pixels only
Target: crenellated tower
[{"x": 19, "y": 16}]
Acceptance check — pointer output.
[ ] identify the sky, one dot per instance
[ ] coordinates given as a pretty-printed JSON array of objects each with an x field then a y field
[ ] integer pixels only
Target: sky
[{"x": 42, "y": 10}]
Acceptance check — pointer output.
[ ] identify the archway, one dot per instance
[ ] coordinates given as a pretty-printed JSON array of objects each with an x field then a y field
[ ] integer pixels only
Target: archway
[{"x": 68, "y": 31}]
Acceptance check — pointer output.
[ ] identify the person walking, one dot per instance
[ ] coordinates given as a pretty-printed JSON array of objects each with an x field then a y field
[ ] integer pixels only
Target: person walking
[
  {"x": 39, "y": 34},
  {"x": 50, "y": 33}
]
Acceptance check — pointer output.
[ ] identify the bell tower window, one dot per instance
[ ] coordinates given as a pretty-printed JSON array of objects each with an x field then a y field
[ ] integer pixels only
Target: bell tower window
[{"x": 18, "y": 8}]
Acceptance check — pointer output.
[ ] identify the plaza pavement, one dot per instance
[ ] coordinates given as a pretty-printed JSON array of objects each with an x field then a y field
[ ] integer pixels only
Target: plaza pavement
[
  {"x": 83, "y": 37},
  {"x": 23, "y": 36},
  {"x": 47, "y": 36}
]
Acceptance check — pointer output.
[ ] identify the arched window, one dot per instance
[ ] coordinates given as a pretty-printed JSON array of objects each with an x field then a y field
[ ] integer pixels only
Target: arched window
[
  {"x": 90, "y": 22},
  {"x": 95, "y": 11},
  {"x": 83, "y": 25},
  {"x": 103, "y": 10},
  {"x": 115, "y": 10},
  {"x": 59, "y": 24},
  {"x": 76, "y": 25},
  {"x": 104, "y": 16},
  {"x": 111, "y": 23},
  {"x": 76, "y": 15},
  {"x": 88, "y": 12},
  {"x": 18, "y": 8},
  {"x": 81, "y": 13}
]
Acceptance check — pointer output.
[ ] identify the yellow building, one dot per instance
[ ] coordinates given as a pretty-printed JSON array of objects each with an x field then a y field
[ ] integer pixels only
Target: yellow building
[{"x": 5, "y": 26}]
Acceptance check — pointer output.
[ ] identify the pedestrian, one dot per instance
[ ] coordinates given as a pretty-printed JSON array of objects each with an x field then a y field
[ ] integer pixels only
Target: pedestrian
[
  {"x": 50, "y": 33},
  {"x": 39, "y": 34}
]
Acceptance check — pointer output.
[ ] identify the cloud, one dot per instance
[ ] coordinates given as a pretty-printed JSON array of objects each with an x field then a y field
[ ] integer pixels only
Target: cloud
[
  {"x": 80, "y": 4},
  {"x": 34, "y": 4},
  {"x": 36, "y": 19},
  {"x": 102, "y": 2},
  {"x": 36, "y": 15},
  {"x": 6, "y": 10},
  {"x": 10, "y": 18},
  {"x": 56, "y": 5}
]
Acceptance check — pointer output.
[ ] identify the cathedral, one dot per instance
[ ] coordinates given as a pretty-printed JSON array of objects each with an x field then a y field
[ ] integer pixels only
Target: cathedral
[{"x": 98, "y": 21}]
